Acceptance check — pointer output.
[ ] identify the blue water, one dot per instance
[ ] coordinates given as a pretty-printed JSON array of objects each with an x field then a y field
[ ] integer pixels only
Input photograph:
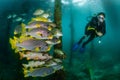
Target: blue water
[
  {"x": 99, "y": 62},
  {"x": 103, "y": 57}
]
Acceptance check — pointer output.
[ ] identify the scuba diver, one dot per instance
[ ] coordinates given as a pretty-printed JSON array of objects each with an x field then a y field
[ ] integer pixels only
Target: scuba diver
[{"x": 96, "y": 27}]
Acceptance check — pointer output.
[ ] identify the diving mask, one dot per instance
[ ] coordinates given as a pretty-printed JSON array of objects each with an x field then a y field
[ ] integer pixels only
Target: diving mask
[{"x": 101, "y": 18}]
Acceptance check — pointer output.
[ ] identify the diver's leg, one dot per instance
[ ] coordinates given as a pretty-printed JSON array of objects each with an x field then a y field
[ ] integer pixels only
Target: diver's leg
[
  {"x": 82, "y": 49},
  {"x": 81, "y": 39},
  {"x": 76, "y": 45},
  {"x": 92, "y": 36}
]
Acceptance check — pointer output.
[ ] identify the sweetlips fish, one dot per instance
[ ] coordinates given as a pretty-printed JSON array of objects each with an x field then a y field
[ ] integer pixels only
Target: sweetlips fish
[
  {"x": 56, "y": 33},
  {"x": 34, "y": 45},
  {"x": 58, "y": 53},
  {"x": 36, "y": 56},
  {"x": 45, "y": 15},
  {"x": 38, "y": 12},
  {"x": 20, "y": 29},
  {"x": 44, "y": 71},
  {"x": 36, "y": 24},
  {"x": 53, "y": 41},
  {"x": 16, "y": 17},
  {"x": 40, "y": 33},
  {"x": 34, "y": 64},
  {"x": 41, "y": 72}
]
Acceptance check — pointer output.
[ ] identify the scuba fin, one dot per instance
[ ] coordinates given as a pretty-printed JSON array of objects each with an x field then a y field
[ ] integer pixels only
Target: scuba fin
[
  {"x": 75, "y": 46},
  {"x": 82, "y": 50}
]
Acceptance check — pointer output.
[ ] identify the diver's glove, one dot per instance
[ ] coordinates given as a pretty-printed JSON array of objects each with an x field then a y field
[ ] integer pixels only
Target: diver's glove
[{"x": 75, "y": 47}]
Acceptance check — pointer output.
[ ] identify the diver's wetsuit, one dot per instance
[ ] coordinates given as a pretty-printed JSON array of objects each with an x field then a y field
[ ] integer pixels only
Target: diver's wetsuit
[{"x": 90, "y": 30}]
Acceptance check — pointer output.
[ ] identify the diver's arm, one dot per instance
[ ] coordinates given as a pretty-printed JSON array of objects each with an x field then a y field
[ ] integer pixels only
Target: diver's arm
[
  {"x": 99, "y": 33},
  {"x": 104, "y": 29}
]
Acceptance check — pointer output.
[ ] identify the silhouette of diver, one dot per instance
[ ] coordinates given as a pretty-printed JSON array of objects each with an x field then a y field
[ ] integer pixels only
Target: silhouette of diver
[{"x": 96, "y": 27}]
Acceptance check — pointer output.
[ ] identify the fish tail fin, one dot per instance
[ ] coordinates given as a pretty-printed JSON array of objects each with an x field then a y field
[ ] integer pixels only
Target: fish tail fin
[{"x": 23, "y": 28}]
